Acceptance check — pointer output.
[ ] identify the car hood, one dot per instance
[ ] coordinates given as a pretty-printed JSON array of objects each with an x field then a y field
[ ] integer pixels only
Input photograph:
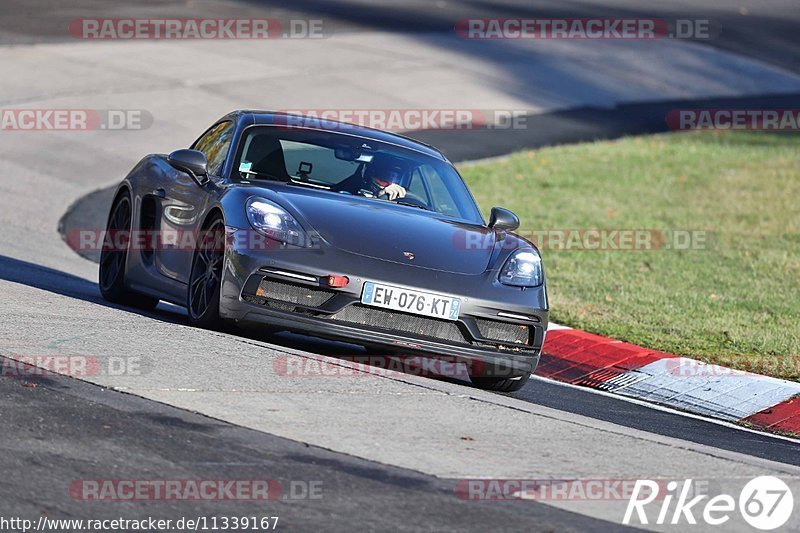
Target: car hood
[{"x": 380, "y": 230}]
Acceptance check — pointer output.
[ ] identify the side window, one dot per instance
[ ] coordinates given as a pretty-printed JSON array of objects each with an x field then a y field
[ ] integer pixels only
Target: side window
[{"x": 215, "y": 144}]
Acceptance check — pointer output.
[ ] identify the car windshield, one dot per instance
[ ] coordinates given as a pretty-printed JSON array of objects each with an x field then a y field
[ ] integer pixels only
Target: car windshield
[{"x": 354, "y": 165}]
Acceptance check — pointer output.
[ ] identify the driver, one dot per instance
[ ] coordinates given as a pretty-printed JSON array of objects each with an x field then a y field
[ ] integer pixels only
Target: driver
[{"x": 383, "y": 176}]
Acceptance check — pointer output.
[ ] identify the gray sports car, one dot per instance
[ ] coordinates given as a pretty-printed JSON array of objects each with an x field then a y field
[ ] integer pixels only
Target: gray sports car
[{"x": 285, "y": 222}]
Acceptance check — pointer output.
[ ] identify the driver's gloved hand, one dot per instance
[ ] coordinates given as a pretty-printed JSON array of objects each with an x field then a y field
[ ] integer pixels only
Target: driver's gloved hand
[{"x": 394, "y": 191}]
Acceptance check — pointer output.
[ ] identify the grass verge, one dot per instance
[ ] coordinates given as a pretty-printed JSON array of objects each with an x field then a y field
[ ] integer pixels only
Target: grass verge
[{"x": 732, "y": 298}]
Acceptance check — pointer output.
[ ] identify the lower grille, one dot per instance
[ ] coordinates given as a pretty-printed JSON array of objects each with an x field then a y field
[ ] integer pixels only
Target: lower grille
[
  {"x": 295, "y": 294},
  {"x": 391, "y": 321},
  {"x": 503, "y": 331},
  {"x": 280, "y": 306}
]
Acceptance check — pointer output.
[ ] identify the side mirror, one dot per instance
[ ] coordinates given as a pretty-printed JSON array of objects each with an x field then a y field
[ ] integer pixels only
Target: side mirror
[
  {"x": 193, "y": 162},
  {"x": 503, "y": 220}
]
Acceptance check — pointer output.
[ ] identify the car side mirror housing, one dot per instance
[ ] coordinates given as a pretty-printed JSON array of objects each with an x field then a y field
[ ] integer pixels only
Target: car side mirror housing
[
  {"x": 193, "y": 162},
  {"x": 503, "y": 220}
]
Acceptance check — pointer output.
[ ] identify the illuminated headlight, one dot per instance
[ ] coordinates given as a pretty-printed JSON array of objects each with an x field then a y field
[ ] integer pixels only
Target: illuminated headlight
[
  {"x": 275, "y": 222},
  {"x": 523, "y": 269}
]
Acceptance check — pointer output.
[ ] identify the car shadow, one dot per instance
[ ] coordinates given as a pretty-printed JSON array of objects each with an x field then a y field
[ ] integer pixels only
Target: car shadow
[{"x": 65, "y": 284}]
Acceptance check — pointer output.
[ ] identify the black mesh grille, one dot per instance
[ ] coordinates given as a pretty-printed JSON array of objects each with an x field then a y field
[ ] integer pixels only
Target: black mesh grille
[
  {"x": 295, "y": 294},
  {"x": 503, "y": 331},
  {"x": 280, "y": 306},
  {"x": 416, "y": 325}
]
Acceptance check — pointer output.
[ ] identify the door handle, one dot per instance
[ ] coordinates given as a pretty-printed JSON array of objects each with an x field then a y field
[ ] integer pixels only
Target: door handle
[{"x": 160, "y": 193}]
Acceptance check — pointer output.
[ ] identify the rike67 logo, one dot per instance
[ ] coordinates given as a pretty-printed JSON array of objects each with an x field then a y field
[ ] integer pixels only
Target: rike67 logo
[{"x": 765, "y": 503}]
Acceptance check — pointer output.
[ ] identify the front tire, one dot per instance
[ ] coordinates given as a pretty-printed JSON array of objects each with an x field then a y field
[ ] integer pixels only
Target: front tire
[
  {"x": 501, "y": 384},
  {"x": 205, "y": 280},
  {"x": 114, "y": 258}
]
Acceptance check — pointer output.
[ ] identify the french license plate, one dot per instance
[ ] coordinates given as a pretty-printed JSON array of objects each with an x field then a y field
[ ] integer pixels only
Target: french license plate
[{"x": 410, "y": 301}]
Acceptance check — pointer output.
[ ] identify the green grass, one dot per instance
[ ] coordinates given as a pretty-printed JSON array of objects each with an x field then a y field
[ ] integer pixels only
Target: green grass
[{"x": 735, "y": 302}]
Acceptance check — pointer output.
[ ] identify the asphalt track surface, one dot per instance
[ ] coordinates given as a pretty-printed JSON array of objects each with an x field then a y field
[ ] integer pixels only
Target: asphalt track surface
[
  {"x": 765, "y": 30},
  {"x": 148, "y": 440},
  {"x": 56, "y": 429}
]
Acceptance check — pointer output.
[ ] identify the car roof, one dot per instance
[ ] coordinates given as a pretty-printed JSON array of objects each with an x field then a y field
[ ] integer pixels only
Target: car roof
[{"x": 317, "y": 123}]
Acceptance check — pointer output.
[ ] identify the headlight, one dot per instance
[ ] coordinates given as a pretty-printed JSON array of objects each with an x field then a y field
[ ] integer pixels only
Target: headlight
[
  {"x": 523, "y": 269},
  {"x": 275, "y": 222}
]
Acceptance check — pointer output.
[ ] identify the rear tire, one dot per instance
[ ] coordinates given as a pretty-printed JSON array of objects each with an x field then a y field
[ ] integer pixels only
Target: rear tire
[
  {"x": 501, "y": 384},
  {"x": 205, "y": 281},
  {"x": 114, "y": 260}
]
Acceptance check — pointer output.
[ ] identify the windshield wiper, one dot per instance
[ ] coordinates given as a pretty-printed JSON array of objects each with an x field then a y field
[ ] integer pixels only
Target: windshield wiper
[
  {"x": 409, "y": 204},
  {"x": 309, "y": 184}
]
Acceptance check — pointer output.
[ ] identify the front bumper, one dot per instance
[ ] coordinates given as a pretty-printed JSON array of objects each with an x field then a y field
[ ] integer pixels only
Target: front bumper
[{"x": 491, "y": 345}]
